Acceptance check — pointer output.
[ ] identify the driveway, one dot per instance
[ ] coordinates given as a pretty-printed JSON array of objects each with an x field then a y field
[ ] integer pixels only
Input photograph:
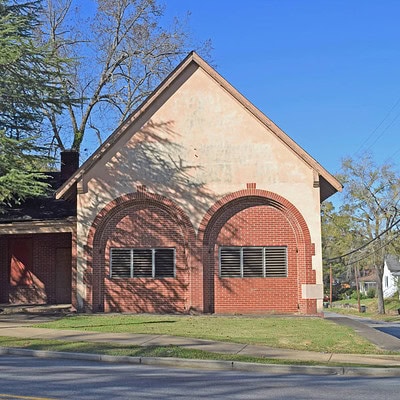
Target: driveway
[{"x": 385, "y": 335}]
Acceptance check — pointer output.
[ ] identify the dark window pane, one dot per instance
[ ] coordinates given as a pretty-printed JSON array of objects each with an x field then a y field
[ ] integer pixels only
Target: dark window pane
[
  {"x": 275, "y": 262},
  {"x": 142, "y": 263},
  {"x": 230, "y": 262},
  {"x": 164, "y": 263},
  {"x": 253, "y": 262},
  {"x": 120, "y": 263}
]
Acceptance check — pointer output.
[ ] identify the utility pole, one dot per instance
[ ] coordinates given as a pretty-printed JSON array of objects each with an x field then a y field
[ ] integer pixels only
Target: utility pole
[
  {"x": 357, "y": 286},
  {"x": 330, "y": 284}
]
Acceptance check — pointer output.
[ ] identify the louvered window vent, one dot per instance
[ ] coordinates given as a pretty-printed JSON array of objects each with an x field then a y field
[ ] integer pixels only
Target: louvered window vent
[
  {"x": 253, "y": 262},
  {"x": 142, "y": 263}
]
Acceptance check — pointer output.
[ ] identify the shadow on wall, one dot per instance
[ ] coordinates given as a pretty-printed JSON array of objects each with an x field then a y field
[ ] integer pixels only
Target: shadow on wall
[
  {"x": 153, "y": 158},
  {"x": 32, "y": 294},
  {"x": 156, "y": 199},
  {"x": 151, "y": 163},
  {"x": 130, "y": 228},
  {"x": 141, "y": 295},
  {"x": 39, "y": 269}
]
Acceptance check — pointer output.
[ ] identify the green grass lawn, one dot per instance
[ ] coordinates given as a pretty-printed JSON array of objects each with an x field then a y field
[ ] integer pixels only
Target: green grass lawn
[
  {"x": 300, "y": 333},
  {"x": 149, "y": 351},
  {"x": 351, "y": 307}
]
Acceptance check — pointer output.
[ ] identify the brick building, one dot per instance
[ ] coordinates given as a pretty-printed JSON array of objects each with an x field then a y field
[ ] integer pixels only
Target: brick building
[
  {"x": 36, "y": 245},
  {"x": 196, "y": 202}
]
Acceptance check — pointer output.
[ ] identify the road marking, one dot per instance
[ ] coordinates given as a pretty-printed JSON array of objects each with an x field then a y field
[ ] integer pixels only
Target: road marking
[{"x": 15, "y": 396}]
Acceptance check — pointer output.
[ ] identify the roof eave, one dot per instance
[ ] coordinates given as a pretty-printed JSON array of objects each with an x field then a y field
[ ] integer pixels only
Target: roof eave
[
  {"x": 39, "y": 226},
  {"x": 328, "y": 188},
  {"x": 332, "y": 184}
]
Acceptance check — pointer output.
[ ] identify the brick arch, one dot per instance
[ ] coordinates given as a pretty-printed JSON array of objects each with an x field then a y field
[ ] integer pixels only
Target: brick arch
[
  {"x": 232, "y": 205},
  {"x": 256, "y": 195},
  {"x": 97, "y": 237}
]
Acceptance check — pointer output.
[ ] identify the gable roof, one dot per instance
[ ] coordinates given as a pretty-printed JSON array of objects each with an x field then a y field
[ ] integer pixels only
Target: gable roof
[
  {"x": 328, "y": 184},
  {"x": 41, "y": 208},
  {"x": 43, "y": 214},
  {"x": 393, "y": 264}
]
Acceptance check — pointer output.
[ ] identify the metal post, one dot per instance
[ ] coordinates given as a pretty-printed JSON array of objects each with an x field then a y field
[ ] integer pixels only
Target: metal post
[
  {"x": 330, "y": 284},
  {"x": 357, "y": 287}
]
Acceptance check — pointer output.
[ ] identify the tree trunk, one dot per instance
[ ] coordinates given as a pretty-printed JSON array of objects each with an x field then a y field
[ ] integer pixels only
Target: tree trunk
[{"x": 379, "y": 289}]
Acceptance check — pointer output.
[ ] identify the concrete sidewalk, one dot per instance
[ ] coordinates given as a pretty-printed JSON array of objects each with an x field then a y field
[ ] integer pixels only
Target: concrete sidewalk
[
  {"x": 19, "y": 326},
  {"x": 373, "y": 331}
]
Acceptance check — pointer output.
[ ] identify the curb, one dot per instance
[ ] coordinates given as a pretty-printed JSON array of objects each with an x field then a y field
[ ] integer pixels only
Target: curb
[{"x": 208, "y": 364}]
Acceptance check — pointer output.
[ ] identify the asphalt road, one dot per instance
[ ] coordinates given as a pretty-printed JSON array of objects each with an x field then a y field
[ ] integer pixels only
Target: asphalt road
[
  {"x": 44, "y": 379},
  {"x": 393, "y": 330}
]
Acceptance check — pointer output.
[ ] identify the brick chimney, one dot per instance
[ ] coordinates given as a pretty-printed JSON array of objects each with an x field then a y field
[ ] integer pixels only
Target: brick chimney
[{"x": 69, "y": 163}]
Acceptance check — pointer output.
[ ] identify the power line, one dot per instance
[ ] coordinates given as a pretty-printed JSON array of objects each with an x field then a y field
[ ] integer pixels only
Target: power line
[
  {"x": 392, "y": 155},
  {"x": 396, "y": 103},
  {"x": 338, "y": 258},
  {"x": 372, "y": 252},
  {"x": 387, "y": 127}
]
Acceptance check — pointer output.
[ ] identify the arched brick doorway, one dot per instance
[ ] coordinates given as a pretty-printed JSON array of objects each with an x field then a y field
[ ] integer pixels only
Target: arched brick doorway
[
  {"x": 261, "y": 220},
  {"x": 142, "y": 221}
]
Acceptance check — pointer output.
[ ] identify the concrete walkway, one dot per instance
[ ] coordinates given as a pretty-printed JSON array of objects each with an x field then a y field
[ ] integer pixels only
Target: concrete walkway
[
  {"x": 374, "y": 331},
  {"x": 19, "y": 325}
]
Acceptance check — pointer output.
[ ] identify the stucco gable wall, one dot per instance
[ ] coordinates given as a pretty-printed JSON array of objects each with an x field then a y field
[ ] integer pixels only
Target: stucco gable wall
[{"x": 199, "y": 146}]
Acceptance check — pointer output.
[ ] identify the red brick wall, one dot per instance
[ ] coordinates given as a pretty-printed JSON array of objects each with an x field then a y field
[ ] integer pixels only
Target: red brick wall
[
  {"x": 164, "y": 223},
  {"x": 256, "y": 217},
  {"x": 248, "y": 218},
  {"x": 257, "y": 226},
  {"x": 41, "y": 286},
  {"x": 21, "y": 261},
  {"x": 145, "y": 227},
  {"x": 4, "y": 268}
]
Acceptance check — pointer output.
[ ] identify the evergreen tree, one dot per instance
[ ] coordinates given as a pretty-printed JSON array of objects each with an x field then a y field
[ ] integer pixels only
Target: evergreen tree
[
  {"x": 19, "y": 163},
  {"x": 28, "y": 87}
]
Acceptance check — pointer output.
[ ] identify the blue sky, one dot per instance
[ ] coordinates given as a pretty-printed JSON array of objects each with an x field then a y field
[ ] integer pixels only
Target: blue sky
[{"x": 327, "y": 72}]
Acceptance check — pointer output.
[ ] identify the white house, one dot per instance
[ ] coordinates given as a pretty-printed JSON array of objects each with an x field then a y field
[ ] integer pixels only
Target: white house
[{"x": 391, "y": 275}]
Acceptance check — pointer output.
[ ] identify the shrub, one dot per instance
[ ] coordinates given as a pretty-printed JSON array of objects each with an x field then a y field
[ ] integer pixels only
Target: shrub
[
  {"x": 354, "y": 296},
  {"x": 371, "y": 293}
]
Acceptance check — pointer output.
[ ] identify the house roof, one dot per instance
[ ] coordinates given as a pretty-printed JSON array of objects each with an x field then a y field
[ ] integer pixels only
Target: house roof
[
  {"x": 44, "y": 208},
  {"x": 393, "y": 264},
  {"x": 327, "y": 183},
  {"x": 39, "y": 209},
  {"x": 369, "y": 277}
]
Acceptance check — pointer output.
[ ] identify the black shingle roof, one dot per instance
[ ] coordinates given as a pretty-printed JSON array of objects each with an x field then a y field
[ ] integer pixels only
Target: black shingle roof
[{"x": 41, "y": 208}]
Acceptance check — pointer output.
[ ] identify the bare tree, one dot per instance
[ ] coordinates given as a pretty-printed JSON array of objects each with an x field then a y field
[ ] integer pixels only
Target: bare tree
[
  {"x": 372, "y": 202},
  {"x": 120, "y": 52}
]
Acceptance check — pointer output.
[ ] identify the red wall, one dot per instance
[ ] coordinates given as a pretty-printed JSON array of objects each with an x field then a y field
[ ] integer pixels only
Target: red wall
[
  {"x": 246, "y": 218},
  {"x": 30, "y": 270},
  {"x": 145, "y": 227},
  {"x": 4, "y": 270},
  {"x": 257, "y": 226}
]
